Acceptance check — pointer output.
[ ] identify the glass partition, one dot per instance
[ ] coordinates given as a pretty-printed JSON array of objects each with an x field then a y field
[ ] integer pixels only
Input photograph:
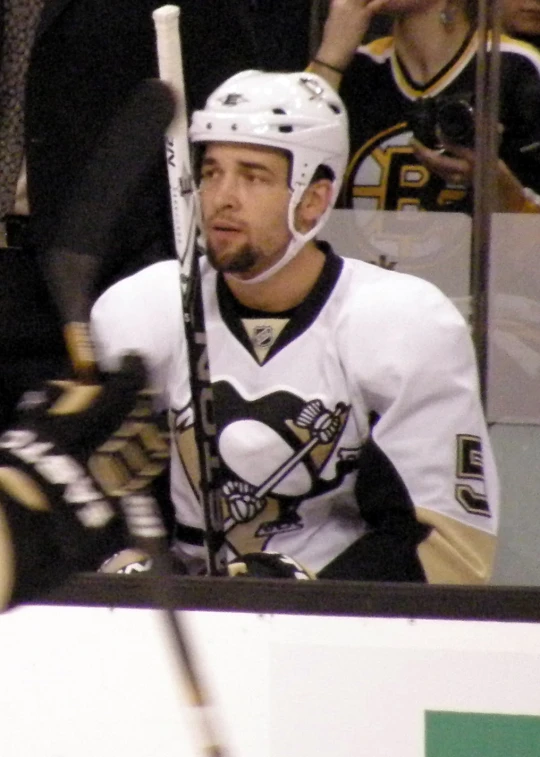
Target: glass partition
[{"x": 485, "y": 261}]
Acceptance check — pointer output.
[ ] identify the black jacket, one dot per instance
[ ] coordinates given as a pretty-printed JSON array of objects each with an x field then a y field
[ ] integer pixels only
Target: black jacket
[{"x": 87, "y": 57}]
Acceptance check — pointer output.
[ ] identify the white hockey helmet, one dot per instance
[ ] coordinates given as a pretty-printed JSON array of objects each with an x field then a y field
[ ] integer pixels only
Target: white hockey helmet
[{"x": 299, "y": 113}]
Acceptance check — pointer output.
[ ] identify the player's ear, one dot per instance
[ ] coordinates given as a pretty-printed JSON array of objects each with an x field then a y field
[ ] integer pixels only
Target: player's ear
[{"x": 314, "y": 202}]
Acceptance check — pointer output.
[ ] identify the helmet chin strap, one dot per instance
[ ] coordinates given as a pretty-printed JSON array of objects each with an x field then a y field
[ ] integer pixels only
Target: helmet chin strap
[{"x": 297, "y": 242}]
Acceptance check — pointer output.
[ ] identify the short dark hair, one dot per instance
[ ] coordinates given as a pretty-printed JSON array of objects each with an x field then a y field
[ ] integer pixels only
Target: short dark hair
[{"x": 323, "y": 172}]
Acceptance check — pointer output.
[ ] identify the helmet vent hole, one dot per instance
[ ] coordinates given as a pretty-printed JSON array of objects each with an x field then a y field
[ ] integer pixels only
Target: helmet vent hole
[{"x": 280, "y": 112}]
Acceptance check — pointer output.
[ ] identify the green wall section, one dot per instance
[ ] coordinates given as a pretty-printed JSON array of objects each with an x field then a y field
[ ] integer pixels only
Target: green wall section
[{"x": 474, "y": 734}]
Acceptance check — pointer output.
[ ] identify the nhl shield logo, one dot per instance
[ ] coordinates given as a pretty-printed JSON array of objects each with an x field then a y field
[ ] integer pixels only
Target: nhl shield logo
[{"x": 263, "y": 336}]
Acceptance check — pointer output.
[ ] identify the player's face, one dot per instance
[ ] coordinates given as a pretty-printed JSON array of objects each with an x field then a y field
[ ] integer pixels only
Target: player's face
[{"x": 244, "y": 201}]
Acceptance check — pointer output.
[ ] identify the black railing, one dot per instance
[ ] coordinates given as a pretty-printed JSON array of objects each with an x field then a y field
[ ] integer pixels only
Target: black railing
[{"x": 343, "y": 598}]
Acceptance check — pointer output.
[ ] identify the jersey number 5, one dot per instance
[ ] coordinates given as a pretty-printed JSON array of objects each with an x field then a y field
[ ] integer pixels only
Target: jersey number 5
[{"x": 470, "y": 467}]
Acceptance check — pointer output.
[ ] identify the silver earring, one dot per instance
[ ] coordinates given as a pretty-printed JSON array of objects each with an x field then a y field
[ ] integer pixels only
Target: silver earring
[{"x": 448, "y": 14}]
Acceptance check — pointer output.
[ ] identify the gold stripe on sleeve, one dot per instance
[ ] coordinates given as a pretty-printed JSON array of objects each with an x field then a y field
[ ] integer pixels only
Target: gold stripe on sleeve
[{"x": 455, "y": 553}]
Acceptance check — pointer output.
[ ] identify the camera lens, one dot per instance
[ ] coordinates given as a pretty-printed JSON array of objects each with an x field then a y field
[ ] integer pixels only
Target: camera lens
[{"x": 455, "y": 119}]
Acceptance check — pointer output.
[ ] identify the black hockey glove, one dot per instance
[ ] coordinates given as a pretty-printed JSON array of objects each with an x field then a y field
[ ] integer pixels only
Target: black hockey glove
[
  {"x": 268, "y": 565},
  {"x": 73, "y": 477}
]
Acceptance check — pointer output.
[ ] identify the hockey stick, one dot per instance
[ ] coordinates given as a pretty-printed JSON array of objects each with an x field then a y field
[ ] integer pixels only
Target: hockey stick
[
  {"x": 133, "y": 140},
  {"x": 169, "y": 51},
  {"x": 169, "y": 54}
]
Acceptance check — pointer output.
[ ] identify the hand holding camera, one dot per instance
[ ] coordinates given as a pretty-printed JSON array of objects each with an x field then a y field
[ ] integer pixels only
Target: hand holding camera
[{"x": 443, "y": 131}]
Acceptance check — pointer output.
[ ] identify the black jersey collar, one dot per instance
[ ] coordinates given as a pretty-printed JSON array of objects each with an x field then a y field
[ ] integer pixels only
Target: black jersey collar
[{"x": 299, "y": 317}]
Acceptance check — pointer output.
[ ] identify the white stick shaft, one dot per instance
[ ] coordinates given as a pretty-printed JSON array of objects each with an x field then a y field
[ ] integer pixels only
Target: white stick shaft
[
  {"x": 166, "y": 20},
  {"x": 169, "y": 54}
]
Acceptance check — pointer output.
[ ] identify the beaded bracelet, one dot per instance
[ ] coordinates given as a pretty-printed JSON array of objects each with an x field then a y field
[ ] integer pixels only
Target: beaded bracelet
[{"x": 327, "y": 65}]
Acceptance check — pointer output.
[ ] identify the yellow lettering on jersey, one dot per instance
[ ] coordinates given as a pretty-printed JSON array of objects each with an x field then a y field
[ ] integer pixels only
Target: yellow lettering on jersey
[
  {"x": 413, "y": 175},
  {"x": 399, "y": 178},
  {"x": 447, "y": 196}
]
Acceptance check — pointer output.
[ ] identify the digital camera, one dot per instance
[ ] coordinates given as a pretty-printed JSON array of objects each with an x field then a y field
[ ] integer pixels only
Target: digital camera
[{"x": 450, "y": 117}]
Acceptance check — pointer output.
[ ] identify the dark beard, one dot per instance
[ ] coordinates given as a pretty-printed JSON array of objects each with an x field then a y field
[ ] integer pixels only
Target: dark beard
[{"x": 242, "y": 262}]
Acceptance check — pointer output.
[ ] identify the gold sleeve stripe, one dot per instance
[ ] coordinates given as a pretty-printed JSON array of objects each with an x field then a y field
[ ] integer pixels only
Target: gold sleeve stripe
[
  {"x": 7, "y": 562},
  {"x": 22, "y": 488},
  {"x": 455, "y": 553}
]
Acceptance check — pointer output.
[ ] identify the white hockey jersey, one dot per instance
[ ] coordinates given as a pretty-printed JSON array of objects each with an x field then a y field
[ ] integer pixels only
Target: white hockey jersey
[{"x": 338, "y": 423}]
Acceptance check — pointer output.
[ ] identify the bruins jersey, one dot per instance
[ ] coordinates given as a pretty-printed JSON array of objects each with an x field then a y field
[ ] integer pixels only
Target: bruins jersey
[
  {"x": 382, "y": 100},
  {"x": 350, "y": 425}
]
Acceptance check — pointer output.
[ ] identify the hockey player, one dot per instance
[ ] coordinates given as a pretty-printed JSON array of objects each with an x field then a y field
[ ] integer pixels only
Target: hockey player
[
  {"x": 350, "y": 432},
  {"x": 411, "y": 105}
]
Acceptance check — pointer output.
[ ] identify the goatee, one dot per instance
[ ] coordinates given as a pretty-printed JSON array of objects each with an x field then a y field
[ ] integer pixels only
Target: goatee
[{"x": 241, "y": 262}]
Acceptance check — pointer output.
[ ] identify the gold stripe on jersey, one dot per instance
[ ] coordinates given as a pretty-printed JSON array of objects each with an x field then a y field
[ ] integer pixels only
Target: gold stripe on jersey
[
  {"x": 453, "y": 69},
  {"x": 380, "y": 49},
  {"x": 518, "y": 46},
  {"x": 454, "y": 553},
  {"x": 450, "y": 72}
]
